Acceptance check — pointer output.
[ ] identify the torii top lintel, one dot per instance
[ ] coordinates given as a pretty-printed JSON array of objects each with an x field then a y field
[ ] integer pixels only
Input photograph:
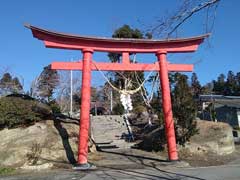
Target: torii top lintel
[
  {"x": 69, "y": 41},
  {"x": 125, "y": 46}
]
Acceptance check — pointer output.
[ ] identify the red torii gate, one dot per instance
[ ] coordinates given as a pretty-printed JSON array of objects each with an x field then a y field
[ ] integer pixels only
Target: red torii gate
[{"x": 124, "y": 46}]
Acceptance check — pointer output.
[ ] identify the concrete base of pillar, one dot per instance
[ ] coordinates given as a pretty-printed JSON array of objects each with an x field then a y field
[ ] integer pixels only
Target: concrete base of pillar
[{"x": 82, "y": 167}]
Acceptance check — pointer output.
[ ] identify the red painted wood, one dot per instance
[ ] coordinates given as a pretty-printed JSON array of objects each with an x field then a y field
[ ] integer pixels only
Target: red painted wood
[
  {"x": 167, "y": 107},
  {"x": 121, "y": 67},
  {"x": 178, "y": 47},
  {"x": 85, "y": 107},
  {"x": 68, "y": 41},
  {"x": 125, "y": 58}
]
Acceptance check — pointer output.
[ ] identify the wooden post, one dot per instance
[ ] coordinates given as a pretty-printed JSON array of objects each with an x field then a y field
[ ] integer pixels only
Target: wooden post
[
  {"x": 167, "y": 107},
  {"x": 85, "y": 107}
]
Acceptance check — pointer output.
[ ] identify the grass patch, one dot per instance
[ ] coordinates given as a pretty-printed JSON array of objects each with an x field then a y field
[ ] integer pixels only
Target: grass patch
[{"x": 6, "y": 170}]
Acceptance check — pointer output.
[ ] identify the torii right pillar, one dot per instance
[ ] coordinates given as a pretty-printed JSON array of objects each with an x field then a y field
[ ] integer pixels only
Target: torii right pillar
[{"x": 167, "y": 106}]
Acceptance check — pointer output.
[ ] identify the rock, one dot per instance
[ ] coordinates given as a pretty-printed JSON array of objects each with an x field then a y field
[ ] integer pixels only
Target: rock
[
  {"x": 44, "y": 142},
  {"x": 144, "y": 114},
  {"x": 143, "y": 118},
  {"x": 37, "y": 167},
  {"x": 153, "y": 139},
  {"x": 55, "y": 142},
  {"x": 212, "y": 137}
]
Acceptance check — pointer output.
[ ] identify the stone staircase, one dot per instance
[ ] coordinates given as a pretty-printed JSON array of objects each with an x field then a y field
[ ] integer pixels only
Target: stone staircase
[{"x": 108, "y": 132}]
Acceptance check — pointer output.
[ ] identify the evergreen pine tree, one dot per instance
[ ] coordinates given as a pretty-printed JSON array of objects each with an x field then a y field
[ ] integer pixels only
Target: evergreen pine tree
[
  {"x": 219, "y": 85},
  {"x": 237, "y": 78},
  {"x": 184, "y": 109},
  {"x": 195, "y": 86},
  {"x": 230, "y": 84}
]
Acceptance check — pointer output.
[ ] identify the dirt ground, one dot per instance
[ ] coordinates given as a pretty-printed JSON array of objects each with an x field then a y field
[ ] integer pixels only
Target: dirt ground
[{"x": 135, "y": 158}]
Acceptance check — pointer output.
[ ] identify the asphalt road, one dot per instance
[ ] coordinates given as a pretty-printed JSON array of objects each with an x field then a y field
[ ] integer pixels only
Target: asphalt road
[{"x": 229, "y": 172}]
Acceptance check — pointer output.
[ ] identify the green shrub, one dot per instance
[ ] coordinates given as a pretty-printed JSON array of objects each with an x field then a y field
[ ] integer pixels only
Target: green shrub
[
  {"x": 19, "y": 111},
  {"x": 55, "y": 107},
  {"x": 6, "y": 170},
  {"x": 184, "y": 110}
]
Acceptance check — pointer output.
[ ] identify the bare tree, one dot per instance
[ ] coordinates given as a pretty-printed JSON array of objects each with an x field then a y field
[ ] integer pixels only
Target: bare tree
[
  {"x": 63, "y": 90},
  {"x": 44, "y": 85},
  {"x": 166, "y": 26},
  {"x": 34, "y": 88}
]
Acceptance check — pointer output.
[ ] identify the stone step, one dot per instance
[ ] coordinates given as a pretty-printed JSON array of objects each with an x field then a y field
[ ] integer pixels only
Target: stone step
[{"x": 110, "y": 129}]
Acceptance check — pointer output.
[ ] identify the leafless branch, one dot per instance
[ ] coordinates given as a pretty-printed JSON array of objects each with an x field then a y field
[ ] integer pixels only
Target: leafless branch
[
  {"x": 187, "y": 15},
  {"x": 168, "y": 25}
]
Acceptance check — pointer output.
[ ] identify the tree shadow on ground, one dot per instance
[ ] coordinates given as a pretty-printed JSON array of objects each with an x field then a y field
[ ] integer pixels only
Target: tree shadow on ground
[
  {"x": 149, "y": 163},
  {"x": 151, "y": 174},
  {"x": 66, "y": 119},
  {"x": 131, "y": 155},
  {"x": 65, "y": 141}
]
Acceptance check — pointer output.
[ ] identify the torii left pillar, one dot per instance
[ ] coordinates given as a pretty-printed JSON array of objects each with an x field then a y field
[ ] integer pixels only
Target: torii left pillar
[
  {"x": 85, "y": 108},
  {"x": 167, "y": 106}
]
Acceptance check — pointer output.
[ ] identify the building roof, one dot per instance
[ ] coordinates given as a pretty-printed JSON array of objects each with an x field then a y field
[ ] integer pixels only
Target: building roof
[{"x": 221, "y": 100}]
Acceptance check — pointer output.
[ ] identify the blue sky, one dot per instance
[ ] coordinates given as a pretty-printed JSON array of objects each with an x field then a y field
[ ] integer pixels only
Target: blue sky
[{"x": 26, "y": 56}]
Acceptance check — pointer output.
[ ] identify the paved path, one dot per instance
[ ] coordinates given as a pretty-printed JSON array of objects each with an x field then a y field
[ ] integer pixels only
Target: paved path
[
  {"x": 230, "y": 172},
  {"x": 109, "y": 130}
]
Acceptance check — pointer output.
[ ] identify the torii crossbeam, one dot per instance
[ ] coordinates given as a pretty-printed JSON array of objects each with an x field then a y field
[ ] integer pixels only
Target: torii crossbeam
[{"x": 89, "y": 45}]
